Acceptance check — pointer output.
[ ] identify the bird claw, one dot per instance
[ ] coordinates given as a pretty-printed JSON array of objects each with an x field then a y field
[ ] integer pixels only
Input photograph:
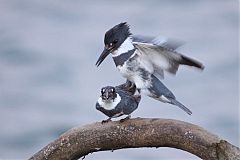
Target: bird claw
[
  {"x": 124, "y": 119},
  {"x": 106, "y": 121}
]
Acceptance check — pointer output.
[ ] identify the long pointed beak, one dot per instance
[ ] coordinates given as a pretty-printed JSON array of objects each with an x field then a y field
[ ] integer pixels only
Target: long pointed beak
[
  {"x": 104, "y": 54},
  {"x": 107, "y": 95}
]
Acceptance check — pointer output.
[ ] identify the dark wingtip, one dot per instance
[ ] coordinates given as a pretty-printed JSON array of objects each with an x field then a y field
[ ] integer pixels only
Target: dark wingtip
[
  {"x": 191, "y": 62},
  {"x": 189, "y": 113},
  {"x": 180, "y": 105},
  {"x": 202, "y": 67}
]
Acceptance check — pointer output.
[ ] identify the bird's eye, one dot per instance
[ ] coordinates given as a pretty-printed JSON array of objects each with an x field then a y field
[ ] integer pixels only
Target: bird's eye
[
  {"x": 113, "y": 90},
  {"x": 102, "y": 90},
  {"x": 115, "y": 41}
]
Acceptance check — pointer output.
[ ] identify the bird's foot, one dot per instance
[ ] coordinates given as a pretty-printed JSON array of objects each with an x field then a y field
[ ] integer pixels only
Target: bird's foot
[
  {"x": 124, "y": 119},
  {"x": 106, "y": 121}
]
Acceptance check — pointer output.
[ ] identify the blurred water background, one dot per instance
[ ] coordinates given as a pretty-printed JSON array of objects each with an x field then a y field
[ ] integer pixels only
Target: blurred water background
[{"x": 49, "y": 82}]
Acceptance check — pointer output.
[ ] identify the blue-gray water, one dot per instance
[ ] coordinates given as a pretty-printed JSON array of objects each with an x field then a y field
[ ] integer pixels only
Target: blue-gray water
[{"x": 49, "y": 81}]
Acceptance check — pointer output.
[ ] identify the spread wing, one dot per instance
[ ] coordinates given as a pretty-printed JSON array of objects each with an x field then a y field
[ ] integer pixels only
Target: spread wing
[
  {"x": 161, "y": 53},
  {"x": 159, "y": 41}
]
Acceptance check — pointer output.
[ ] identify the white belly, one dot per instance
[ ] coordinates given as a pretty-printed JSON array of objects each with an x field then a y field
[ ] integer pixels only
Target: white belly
[
  {"x": 125, "y": 72},
  {"x": 132, "y": 73}
]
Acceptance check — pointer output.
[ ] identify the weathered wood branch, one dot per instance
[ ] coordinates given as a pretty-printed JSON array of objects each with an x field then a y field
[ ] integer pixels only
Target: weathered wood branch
[{"x": 135, "y": 133}]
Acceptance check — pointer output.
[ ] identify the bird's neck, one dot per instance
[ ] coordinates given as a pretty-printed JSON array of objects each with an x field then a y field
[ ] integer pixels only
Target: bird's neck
[
  {"x": 124, "y": 47},
  {"x": 124, "y": 52}
]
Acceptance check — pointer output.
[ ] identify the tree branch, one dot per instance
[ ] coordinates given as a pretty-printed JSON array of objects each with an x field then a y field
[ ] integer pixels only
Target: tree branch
[{"x": 135, "y": 133}]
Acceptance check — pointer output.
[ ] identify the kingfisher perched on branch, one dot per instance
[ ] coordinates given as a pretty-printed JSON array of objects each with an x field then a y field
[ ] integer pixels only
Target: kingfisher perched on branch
[
  {"x": 142, "y": 59},
  {"x": 117, "y": 101}
]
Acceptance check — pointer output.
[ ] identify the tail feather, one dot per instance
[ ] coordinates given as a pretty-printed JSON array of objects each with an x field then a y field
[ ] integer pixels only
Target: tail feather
[
  {"x": 160, "y": 92},
  {"x": 191, "y": 62},
  {"x": 180, "y": 105}
]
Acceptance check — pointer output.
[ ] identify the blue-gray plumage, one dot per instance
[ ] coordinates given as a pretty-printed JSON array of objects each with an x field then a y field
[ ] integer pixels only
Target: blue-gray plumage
[
  {"x": 160, "y": 92},
  {"x": 142, "y": 59},
  {"x": 117, "y": 101}
]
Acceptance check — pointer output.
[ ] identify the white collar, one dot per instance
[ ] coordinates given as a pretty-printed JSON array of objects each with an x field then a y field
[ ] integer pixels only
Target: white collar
[{"x": 111, "y": 104}]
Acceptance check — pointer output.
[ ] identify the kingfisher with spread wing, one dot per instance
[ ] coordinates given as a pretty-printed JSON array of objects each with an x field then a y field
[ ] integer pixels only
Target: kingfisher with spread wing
[{"x": 142, "y": 59}]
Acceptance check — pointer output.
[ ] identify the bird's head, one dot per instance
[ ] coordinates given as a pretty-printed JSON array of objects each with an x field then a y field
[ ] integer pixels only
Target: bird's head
[
  {"x": 108, "y": 93},
  {"x": 113, "y": 40}
]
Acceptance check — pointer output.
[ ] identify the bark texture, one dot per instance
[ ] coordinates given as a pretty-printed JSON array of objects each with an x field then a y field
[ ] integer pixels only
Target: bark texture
[{"x": 135, "y": 133}]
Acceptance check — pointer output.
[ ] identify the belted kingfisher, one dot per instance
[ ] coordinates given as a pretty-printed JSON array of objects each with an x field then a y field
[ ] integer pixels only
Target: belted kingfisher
[
  {"x": 117, "y": 101},
  {"x": 142, "y": 59}
]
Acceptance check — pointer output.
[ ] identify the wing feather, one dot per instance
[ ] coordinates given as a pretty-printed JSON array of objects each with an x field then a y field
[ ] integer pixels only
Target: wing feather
[
  {"x": 164, "y": 59},
  {"x": 159, "y": 41}
]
